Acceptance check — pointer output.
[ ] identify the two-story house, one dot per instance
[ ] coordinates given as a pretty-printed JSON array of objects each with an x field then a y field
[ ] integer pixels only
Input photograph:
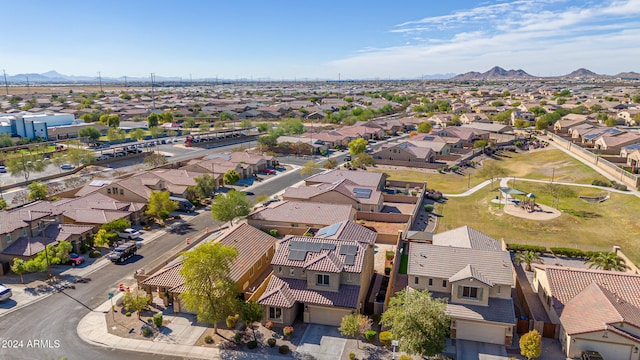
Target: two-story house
[
  {"x": 477, "y": 283},
  {"x": 597, "y": 310},
  {"x": 318, "y": 279},
  {"x": 364, "y": 178},
  {"x": 361, "y": 198}
]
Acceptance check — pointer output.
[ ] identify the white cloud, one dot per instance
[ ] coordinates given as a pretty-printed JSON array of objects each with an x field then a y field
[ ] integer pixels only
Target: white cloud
[{"x": 541, "y": 37}]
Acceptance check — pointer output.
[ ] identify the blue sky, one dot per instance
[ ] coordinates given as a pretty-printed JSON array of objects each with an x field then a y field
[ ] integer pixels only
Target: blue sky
[{"x": 308, "y": 40}]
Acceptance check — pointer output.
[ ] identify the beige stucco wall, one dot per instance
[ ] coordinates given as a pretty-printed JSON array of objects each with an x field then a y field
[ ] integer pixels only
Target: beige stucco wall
[
  {"x": 541, "y": 286},
  {"x": 612, "y": 346},
  {"x": 482, "y": 331},
  {"x": 331, "y": 316},
  {"x": 483, "y": 298}
]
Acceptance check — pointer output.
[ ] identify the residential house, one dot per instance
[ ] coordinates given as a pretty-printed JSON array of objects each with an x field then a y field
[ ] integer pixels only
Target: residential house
[
  {"x": 304, "y": 145},
  {"x": 616, "y": 141},
  {"x": 522, "y": 115},
  {"x": 440, "y": 119},
  {"x": 26, "y": 247},
  {"x": 494, "y": 128},
  {"x": 466, "y": 134},
  {"x": 468, "y": 118},
  {"x": 597, "y": 310},
  {"x": 255, "y": 250},
  {"x": 294, "y": 217},
  {"x": 570, "y": 120},
  {"x": 97, "y": 209},
  {"x": 476, "y": 279},
  {"x": 361, "y": 198},
  {"x": 318, "y": 280},
  {"x": 630, "y": 116},
  {"x": 404, "y": 151},
  {"x": 363, "y": 178}
]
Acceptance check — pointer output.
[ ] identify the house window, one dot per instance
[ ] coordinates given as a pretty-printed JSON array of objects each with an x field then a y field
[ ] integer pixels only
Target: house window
[
  {"x": 294, "y": 225},
  {"x": 323, "y": 280},
  {"x": 498, "y": 290},
  {"x": 444, "y": 283},
  {"x": 430, "y": 282},
  {"x": 259, "y": 263},
  {"x": 121, "y": 192},
  {"x": 8, "y": 238},
  {"x": 279, "y": 269},
  {"x": 416, "y": 280},
  {"x": 292, "y": 272},
  {"x": 251, "y": 271},
  {"x": 108, "y": 190},
  {"x": 469, "y": 292},
  {"x": 275, "y": 313}
]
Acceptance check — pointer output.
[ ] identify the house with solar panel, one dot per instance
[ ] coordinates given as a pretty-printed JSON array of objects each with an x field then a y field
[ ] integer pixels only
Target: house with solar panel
[
  {"x": 345, "y": 191},
  {"x": 320, "y": 279}
]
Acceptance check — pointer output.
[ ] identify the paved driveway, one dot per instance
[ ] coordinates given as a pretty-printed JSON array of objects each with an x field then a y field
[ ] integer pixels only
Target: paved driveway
[
  {"x": 322, "y": 342},
  {"x": 471, "y": 350}
]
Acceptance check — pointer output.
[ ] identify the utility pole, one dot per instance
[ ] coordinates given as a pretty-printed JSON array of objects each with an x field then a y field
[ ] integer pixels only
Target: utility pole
[
  {"x": 153, "y": 94},
  {"x": 6, "y": 86},
  {"x": 27, "y": 84},
  {"x": 100, "y": 80},
  {"x": 125, "y": 81}
]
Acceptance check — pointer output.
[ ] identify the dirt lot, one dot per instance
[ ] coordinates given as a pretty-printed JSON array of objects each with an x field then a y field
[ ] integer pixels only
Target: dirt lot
[
  {"x": 225, "y": 338},
  {"x": 130, "y": 326}
]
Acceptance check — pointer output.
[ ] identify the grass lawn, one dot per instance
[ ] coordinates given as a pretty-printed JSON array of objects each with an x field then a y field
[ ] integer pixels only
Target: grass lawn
[
  {"x": 539, "y": 165},
  {"x": 583, "y": 225}
]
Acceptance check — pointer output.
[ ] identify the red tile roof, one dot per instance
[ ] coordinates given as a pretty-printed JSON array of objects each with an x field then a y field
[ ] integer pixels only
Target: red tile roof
[
  {"x": 283, "y": 292},
  {"x": 322, "y": 260}
]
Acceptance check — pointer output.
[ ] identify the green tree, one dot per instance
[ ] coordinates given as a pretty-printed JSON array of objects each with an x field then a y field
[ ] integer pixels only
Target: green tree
[
  {"x": 160, "y": 206},
  {"x": 607, "y": 261},
  {"x": 528, "y": 257},
  {"x": 78, "y": 156},
  {"x": 37, "y": 191},
  {"x": 425, "y": 127},
  {"x": 250, "y": 313},
  {"x": 137, "y": 134},
  {"x": 104, "y": 238},
  {"x": 89, "y": 132},
  {"x": 491, "y": 170},
  {"x": 113, "y": 121},
  {"x": 418, "y": 321},
  {"x": 114, "y": 134},
  {"x": 136, "y": 301},
  {"x": 246, "y": 123},
  {"x": 19, "y": 267},
  {"x": 363, "y": 159},
  {"x": 309, "y": 168},
  {"x": 189, "y": 123},
  {"x": 156, "y": 132},
  {"x": 25, "y": 165},
  {"x": 116, "y": 225},
  {"x": 3, "y": 204},
  {"x": 165, "y": 117},
  {"x": 531, "y": 344},
  {"x": 263, "y": 127},
  {"x": 231, "y": 205},
  {"x": 480, "y": 144},
  {"x": 152, "y": 120},
  {"x": 330, "y": 164},
  {"x": 503, "y": 117},
  {"x": 521, "y": 124},
  {"x": 354, "y": 326},
  {"x": 537, "y": 110},
  {"x": 231, "y": 177},
  {"x": 611, "y": 122},
  {"x": 204, "y": 127},
  {"x": 636, "y": 98},
  {"x": 154, "y": 160},
  {"x": 225, "y": 116},
  {"x": 5, "y": 140},
  {"x": 210, "y": 291},
  {"x": 205, "y": 186},
  {"x": 542, "y": 124},
  {"x": 357, "y": 146}
]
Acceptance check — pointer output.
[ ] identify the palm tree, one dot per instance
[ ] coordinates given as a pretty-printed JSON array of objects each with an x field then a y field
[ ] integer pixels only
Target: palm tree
[
  {"x": 607, "y": 261},
  {"x": 528, "y": 257}
]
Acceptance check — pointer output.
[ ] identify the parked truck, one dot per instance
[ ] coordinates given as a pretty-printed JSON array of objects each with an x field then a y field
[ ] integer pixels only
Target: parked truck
[{"x": 123, "y": 252}]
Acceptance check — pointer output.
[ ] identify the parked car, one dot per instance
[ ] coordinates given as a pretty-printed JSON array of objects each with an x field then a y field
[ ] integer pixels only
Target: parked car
[
  {"x": 103, "y": 157},
  {"x": 3, "y": 169},
  {"x": 347, "y": 158},
  {"x": 119, "y": 153},
  {"x": 67, "y": 167},
  {"x": 591, "y": 355},
  {"x": 75, "y": 259},
  {"x": 129, "y": 233},
  {"x": 5, "y": 293}
]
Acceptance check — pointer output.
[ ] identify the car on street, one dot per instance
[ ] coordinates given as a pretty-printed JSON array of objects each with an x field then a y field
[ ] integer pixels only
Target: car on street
[
  {"x": 5, "y": 293},
  {"x": 347, "y": 158},
  {"x": 3, "y": 169},
  {"x": 103, "y": 157},
  {"x": 75, "y": 259},
  {"x": 129, "y": 233},
  {"x": 119, "y": 153},
  {"x": 67, "y": 167}
]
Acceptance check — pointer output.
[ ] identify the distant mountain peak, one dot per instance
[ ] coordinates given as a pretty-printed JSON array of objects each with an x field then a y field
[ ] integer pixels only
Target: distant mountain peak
[
  {"x": 580, "y": 73},
  {"x": 495, "y": 73}
]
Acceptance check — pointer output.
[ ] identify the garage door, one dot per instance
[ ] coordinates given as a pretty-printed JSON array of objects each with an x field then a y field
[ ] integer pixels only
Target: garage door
[
  {"x": 326, "y": 316},
  {"x": 607, "y": 350},
  {"x": 482, "y": 332}
]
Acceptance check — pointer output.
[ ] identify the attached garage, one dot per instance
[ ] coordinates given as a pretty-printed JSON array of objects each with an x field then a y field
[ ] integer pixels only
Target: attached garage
[
  {"x": 610, "y": 347},
  {"x": 326, "y": 315},
  {"x": 481, "y": 332}
]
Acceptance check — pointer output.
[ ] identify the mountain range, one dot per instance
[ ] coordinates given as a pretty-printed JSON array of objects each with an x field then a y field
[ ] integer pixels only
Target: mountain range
[{"x": 495, "y": 73}]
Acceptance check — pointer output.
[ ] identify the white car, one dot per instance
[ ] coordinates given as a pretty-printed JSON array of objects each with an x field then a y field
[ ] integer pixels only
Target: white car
[
  {"x": 5, "y": 293},
  {"x": 129, "y": 234}
]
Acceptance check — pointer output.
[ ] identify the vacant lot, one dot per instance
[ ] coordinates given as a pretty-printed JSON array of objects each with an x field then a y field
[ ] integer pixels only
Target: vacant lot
[{"x": 588, "y": 226}]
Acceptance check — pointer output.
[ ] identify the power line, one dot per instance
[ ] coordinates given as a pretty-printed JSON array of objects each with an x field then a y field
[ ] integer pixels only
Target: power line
[{"x": 100, "y": 79}]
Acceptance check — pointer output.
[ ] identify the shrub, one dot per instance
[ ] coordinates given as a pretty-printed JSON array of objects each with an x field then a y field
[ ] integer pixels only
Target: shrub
[
  {"x": 95, "y": 254},
  {"x": 387, "y": 270},
  {"x": 287, "y": 331},
  {"x": 405, "y": 357},
  {"x": 268, "y": 325},
  {"x": 389, "y": 254},
  {"x": 568, "y": 252},
  {"x": 523, "y": 247},
  {"x": 284, "y": 349},
  {"x": 274, "y": 232},
  {"x": 208, "y": 339},
  {"x": 252, "y": 344},
  {"x": 232, "y": 320},
  {"x": 376, "y": 318},
  {"x": 238, "y": 337},
  {"x": 271, "y": 342},
  {"x": 307, "y": 234},
  {"x": 150, "y": 320},
  {"x": 601, "y": 183},
  {"x": 414, "y": 193},
  {"x": 370, "y": 335},
  {"x": 385, "y": 338},
  {"x": 352, "y": 356},
  {"x": 128, "y": 313},
  {"x": 428, "y": 207},
  {"x": 157, "y": 319},
  {"x": 147, "y": 331},
  {"x": 434, "y": 195}
]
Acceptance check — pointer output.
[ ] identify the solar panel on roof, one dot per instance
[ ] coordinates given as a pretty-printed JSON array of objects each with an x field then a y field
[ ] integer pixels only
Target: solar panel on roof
[
  {"x": 328, "y": 246},
  {"x": 350, "y": 260},
  {"x": 298, "y": 245},
  {"x": 328, "y": 230},
  {"x": 348, "y": 249},
  {"x": 362, "y": 193},
  {"x": 314, "y": 247},
  {"x": 297, "y": 255}
]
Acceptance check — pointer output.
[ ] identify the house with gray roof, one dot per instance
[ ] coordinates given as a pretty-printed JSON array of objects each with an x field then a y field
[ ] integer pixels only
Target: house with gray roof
[
  {"x": 404, "y": 151},
  {"x": 319, "y": 279},
  {"x": 364, "y": 178},
  {"x": 597, "y": 310},
  {"x": 361, "y": 198},
  {"x": 467, "y": 237},
  {"x": 476, "y": 279}
]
